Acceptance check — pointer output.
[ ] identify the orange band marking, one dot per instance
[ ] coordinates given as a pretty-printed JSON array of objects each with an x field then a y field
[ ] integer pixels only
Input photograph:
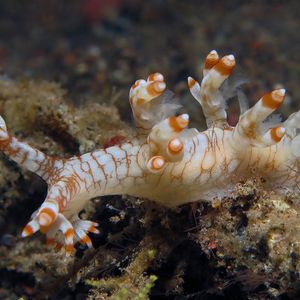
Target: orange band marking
[
  {"x": 28, "y": 230},
  {"x": 155, "y": 77},
  {"x": 48, "y": 211},
  {"x": 211, "y": 60},
  {"x": 276, "y": 134},
  {"x": 178, "y": 123},
  {"x": 272, "y": 100},
  {"x": 85, "y": 240},
  {"x": 155, "y": 88},
  {"x": 69, "y": 234},
  {"x": 191, "y": 82},
  {"x": 157, "y": 162},
  {"x": 175, "y": 146},
  {"x": 225, "y": 66}
]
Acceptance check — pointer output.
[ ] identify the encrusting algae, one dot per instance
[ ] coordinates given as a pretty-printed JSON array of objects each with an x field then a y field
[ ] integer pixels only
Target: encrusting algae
[{"x": 244, "y": 229}]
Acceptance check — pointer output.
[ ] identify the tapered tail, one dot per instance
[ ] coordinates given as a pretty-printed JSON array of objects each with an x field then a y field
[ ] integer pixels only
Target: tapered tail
[{"x": 25, "y": 155}]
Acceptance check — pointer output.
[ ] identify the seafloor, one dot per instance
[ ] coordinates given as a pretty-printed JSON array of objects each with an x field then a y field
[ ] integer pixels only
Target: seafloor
[{"x": 66, "y": 68}]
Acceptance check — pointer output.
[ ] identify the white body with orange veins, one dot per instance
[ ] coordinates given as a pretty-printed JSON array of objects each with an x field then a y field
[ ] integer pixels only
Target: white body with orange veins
[
  {"x": 122, "y": 170},
  {"x": 210, "y": 167},
  {"x": 167, "y": 162}
]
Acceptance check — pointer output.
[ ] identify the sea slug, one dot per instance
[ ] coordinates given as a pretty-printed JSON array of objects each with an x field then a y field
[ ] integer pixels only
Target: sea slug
[{"x": 166, "y": 162}]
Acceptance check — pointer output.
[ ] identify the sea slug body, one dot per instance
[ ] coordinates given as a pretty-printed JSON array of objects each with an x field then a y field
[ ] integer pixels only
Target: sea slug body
[{"x": 167, "y": 162}]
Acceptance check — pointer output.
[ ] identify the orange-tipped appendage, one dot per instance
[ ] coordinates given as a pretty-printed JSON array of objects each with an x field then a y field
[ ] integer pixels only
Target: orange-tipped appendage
[
  {"x": 273, "y": 100},
  {"x": 191, "y": 82},
  {"x": 93, "y": 229},
  {"x": 156, "y": 163},
  {"x": 277, "y": 133},
  {"x": 46, "y": 217},
  {"x": 155, "y": 77},
  {"x": 211, "y": 59},
  {"x": 225, "y": 65},
  {"x": 69, "y": 234},
  {"x": 179, "y": 123},
  {"x": 27, "y": 231},
  {"x": 156, "y": 88},
  {"x": 86, "y": 241},
  {"x": 175, "y": 146}
]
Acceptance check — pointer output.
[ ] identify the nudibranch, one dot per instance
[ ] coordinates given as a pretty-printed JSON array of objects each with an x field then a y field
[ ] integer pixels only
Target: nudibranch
[{"x": 167, "y": 162}]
